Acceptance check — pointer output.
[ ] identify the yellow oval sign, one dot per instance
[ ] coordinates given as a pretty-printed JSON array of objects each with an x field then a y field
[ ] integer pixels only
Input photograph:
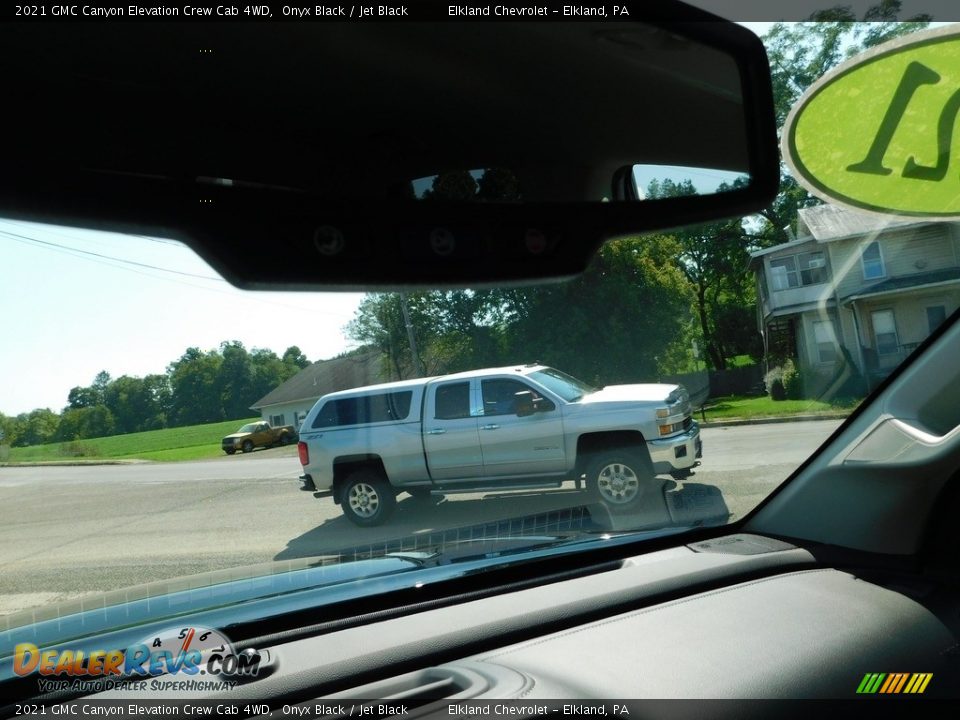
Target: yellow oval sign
[{"x": 879, "y": 133}]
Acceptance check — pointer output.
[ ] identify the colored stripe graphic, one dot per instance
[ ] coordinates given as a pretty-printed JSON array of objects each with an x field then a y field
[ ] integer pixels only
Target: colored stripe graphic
[{"x": 894, "y": 683}]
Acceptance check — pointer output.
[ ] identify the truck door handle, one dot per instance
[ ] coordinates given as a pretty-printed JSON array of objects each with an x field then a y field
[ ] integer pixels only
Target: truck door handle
[
  {"x": 436, "y": 431},
  {"x": 490, "y": 427}
]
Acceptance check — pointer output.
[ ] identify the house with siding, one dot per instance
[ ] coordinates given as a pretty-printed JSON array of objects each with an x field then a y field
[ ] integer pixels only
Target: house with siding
[
  {"x": 289, "y": 403},
  {"x": 855, "y": 289}
]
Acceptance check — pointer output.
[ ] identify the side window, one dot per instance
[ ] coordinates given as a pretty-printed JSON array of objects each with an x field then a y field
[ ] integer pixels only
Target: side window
[
  {"x": 386, "y": 407},
  {"x": 453, "y": 401},
  {"x": 365, "y": 409},
  {"x": 499, "y": 396},
  {"x": 872, "y": 260},
  {"x": 337, "y": 412}
]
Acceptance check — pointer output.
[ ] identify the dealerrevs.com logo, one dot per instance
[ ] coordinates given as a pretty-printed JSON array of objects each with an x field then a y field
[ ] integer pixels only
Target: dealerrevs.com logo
[{"x": 187, "y": 658}]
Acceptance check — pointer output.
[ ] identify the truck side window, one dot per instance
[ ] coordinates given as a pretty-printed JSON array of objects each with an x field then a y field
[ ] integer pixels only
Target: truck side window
[
  {"x": 453, "y": 401},
  {"x": 499, "y": 396},
  {"x": 364, "y": 409}
]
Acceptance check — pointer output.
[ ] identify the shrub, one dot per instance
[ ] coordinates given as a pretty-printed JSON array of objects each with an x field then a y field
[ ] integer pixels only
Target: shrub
[
  {"x": 776, "y": 390},
  {"x": 78, "y": 449},
  {"x": 792, "y": 379},
  {"x": 784, "y": 382},
  {"x": 775, "y": 375}
]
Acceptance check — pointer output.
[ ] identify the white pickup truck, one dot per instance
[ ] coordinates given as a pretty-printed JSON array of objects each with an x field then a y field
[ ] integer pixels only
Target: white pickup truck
[{"x": 495, "y": 429}]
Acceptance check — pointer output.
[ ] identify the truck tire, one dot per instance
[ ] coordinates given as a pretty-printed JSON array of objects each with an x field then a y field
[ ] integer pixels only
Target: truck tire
[
  {"x": 367, "y": 498},
  {"x": 619, "y": 478},
  {"x": 229, "y": 451},
  {"x": 247, "y": 446},
  {"x": 285, "y": 439}
]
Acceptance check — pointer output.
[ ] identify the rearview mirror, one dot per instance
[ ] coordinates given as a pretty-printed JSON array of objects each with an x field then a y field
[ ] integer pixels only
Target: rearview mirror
[{"x": 381, "y": 155}]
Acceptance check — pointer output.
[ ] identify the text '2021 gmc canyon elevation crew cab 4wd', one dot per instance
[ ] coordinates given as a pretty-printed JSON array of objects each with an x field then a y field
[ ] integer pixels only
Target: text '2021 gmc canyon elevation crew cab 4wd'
[{"x": 495, "y": 429}]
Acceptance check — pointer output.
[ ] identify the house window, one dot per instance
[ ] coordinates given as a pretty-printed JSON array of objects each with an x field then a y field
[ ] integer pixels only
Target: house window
[
  {"x": 825, "y": 340},
  {"x": 799, "y": 270},
  {"x": 936, "y": 314},
  {"x": 885, "y": 332},
  {"x": 783, "y": 271},
  {"x": 300, "y": 416},
  {"x": 872, "y": 261},
  {"x": 277, "y": 420},
  {"x": 813, "y": 268}
]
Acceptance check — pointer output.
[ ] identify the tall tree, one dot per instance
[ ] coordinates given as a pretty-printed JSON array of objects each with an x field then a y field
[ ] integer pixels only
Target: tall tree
[
  {"x": 235, "y": 380},
  {"x": 195, "y": 388},
  {"x": 293, "y": 357},
  {"x": 616, "y": 323}
]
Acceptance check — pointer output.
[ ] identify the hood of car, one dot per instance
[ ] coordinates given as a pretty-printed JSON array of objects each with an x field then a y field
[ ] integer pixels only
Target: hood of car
[{"x": 648, "y": 392}]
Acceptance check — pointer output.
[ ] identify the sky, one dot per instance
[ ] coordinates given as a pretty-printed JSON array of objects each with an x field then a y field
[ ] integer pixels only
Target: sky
[{"x": 65, "y": 316}]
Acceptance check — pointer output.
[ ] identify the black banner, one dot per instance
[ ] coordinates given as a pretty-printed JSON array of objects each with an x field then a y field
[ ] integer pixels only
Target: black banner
[
  {"x": 469, "y": 10},
  {"x": 333, "y": 709}
]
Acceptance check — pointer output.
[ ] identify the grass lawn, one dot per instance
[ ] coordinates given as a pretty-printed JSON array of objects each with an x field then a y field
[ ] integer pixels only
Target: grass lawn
[
  {"x": 757, "y": 407},
  {"x": 193, "y": 442}
]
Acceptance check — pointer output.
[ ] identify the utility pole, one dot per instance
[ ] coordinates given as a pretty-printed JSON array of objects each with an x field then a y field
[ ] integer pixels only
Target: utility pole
[{"x": 411, "y": 338}]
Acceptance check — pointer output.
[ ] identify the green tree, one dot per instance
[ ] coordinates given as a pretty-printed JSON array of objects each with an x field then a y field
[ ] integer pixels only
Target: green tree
[
  {"x": 269, "y": 371},
  {"x": 613, "y": 324},
  {"x": 195, "y": 389},
  {"x": 235, "y": 380},
  {"x": 37, "y": 427},
  {"x": 85, "y": 422},
  {"x": 379, "y": 323},
  {"x": 456, "y": 185},
  {"x": 9, "y": 429},
  {"x": 295, "y": 360},
  {"x": 714, "y": 259}
]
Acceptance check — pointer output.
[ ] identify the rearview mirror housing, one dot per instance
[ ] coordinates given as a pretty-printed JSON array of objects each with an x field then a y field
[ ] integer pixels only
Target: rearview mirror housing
[{"x": 461, "y": 153}]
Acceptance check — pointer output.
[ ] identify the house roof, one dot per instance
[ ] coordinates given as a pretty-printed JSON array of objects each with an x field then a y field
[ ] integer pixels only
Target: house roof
[
  {"x": 327, "y": 376},
  {"x": 782, "y": 247},
  {"x": 907, "y": 282},
  {"x": 830, "y": 222}
]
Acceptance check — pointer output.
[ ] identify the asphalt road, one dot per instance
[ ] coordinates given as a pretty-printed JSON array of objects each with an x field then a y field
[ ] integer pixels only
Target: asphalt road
[{"x": 68, "y": 531}]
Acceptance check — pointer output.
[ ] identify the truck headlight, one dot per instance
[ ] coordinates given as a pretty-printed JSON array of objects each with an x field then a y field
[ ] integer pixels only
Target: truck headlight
[
  {"x": 670, "y": 429},
  {"x": 663, "y": 412}
]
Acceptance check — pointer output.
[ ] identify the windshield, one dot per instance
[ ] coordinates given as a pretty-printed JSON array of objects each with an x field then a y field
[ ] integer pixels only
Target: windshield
[
  {"x": 129, "y": 362},
  {"x": 567, "y": 387}
]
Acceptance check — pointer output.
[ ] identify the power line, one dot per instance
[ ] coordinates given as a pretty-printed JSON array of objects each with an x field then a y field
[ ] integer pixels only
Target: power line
[
  {"x": 102, "y": 258},
  {"x": 108, "y": 257}
]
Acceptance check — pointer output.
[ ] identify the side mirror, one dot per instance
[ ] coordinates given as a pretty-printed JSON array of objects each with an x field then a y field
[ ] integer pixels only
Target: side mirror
[{"x": 526, "y": 404}]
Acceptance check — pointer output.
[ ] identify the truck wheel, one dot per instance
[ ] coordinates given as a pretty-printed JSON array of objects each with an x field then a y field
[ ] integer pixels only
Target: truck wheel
[
  {"x": 367, "y": 499},
  {"x": 247, "y": 446},
  {"x": 285, "y": 439},
  {"x": 229, "y": 451},
  {"x": 619, "y": 478}
]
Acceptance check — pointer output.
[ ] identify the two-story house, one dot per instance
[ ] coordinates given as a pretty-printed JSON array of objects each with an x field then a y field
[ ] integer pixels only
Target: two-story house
[{"x": 855, "y": 288}]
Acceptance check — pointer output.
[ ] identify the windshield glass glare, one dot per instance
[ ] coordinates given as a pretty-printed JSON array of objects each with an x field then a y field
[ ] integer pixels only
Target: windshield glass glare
[
  {"x": 157, "y": 423},
  {"x": 569, "y": 388}
]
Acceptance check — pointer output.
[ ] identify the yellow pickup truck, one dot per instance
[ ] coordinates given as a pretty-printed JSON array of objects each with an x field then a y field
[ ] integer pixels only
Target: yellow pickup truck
[{"x": 258, "y": 434}]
